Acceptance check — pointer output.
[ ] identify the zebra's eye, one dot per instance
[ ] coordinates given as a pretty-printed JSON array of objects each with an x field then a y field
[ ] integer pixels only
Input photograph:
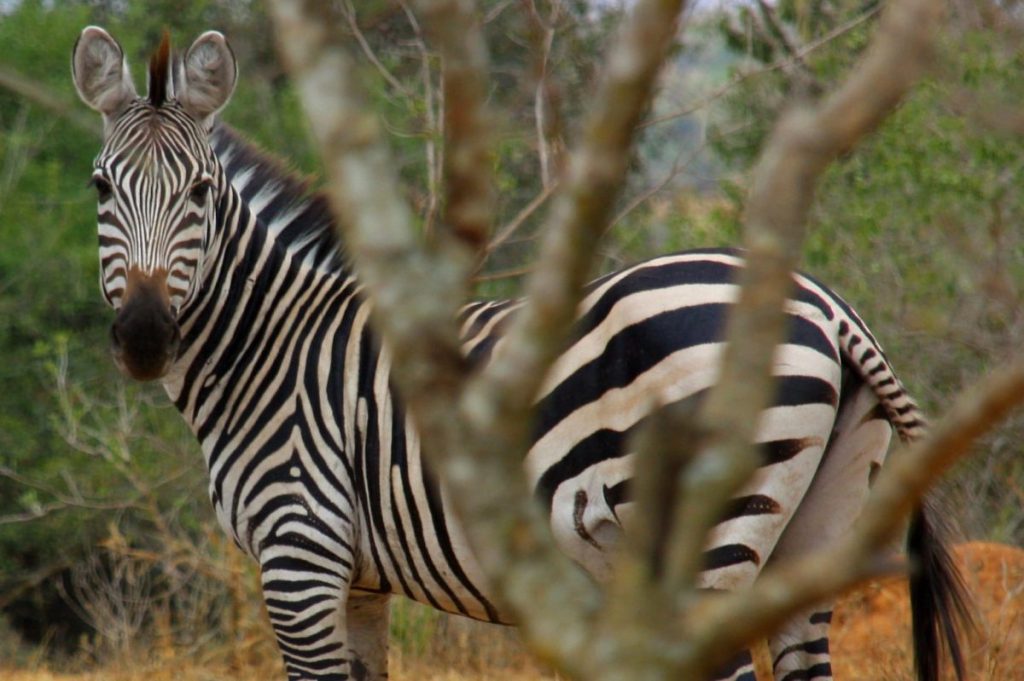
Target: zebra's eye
[
  {"x": 199, "y": 191},
  {"x": 103, "y": 188}
]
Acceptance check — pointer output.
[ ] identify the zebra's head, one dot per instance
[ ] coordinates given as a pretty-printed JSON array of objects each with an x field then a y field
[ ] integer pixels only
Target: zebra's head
[{"x": 157, "y": 180}]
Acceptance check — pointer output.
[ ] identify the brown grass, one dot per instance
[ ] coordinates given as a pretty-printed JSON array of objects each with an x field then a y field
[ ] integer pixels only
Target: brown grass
[
  {"x": 870, "y": 640},
  {"x": 420, "y": 670},
  {"x": 871, "y": 633}
]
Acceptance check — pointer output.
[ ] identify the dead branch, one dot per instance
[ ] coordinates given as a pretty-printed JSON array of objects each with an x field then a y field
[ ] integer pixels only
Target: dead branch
[
  {"x": 31, "y": 91},
  {"x": 802, "y": 146},
  {"x": 364, "y": 45},
  {"x": 415, "y": 292},
  {"x": 521, "y": 217},
  {"x": 416, "y": 295},
  {"x": 433, "y": 104},
  {"x": 579, "y": 214},
  {"x": 779, "y": 33},
  {"x": 786, "y": 589},
  {"x": 478, "y": 447},
  {"x": 453, "y": 26},
  {"x": 546, "y": 116},
  {"x": 739, "y": 78}
]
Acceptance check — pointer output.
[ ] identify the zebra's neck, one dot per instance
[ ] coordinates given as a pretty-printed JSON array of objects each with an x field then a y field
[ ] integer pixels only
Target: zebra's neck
[
  {"x": 284, "y": 204},
  {"x": 273, "y": 259}
]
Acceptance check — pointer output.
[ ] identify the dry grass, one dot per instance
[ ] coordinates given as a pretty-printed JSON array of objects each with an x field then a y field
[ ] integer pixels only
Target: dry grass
[
  {"x": 401, "y": 670},
  {"x": 871, "y": 633},
  {"x": 871, "y": 639}
]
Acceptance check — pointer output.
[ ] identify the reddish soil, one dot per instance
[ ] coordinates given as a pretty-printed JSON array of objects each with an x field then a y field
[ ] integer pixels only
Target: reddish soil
[{"x": 871, "y": 636}]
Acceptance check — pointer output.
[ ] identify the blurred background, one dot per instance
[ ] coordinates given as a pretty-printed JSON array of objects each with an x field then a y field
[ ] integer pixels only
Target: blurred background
[{"x": 109, "y": 554}]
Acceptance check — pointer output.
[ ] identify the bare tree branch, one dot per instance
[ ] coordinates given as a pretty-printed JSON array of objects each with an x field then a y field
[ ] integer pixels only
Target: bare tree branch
[
  {"x": 417, "y": 307},
  {"x": 787, "y": 589},
  {"x": 510, "y": 537},
  {"x": 579, "y": 215},
  {"x": 36, "y": 94},
  {"x": 454, "y": 27},
  {"x": 781, "y": 34},
  {"x": 433, "y": 104},
  {"x": 546, "y": 118},
  {"x": 723, "y": 90},
  {"x": 474, "y": 426},
  {"x": 521, "y": 217},
  {"x": 364, "y": 45},
  {"x": 802, "y": 146}
]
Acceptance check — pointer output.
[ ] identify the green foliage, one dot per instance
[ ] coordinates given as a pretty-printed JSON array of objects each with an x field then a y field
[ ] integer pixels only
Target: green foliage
[
  {"x": 90, "y": 455},
  {"x": 413, "y": 626},
  {"x": 919, "y": 226},
  {"x": 79, "y": 446}
]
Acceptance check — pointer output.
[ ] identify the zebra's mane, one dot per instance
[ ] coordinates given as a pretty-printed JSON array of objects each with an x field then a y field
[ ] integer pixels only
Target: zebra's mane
[
  {"x": 285, "y": 204},
  {"x": 160, "y": 72}
]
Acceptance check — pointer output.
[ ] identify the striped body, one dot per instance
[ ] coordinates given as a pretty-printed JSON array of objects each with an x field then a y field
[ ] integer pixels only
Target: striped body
[
  {"x": 288, "y": 390},
  {"x": 315, "y": 469}
]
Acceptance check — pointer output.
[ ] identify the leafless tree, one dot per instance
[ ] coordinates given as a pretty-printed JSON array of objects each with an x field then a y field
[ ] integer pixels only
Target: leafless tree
[{"x": 474, "y": 426}]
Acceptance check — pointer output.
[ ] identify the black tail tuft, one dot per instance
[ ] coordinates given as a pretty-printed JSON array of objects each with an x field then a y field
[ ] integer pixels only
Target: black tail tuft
[{"x": 940, "y": 604}]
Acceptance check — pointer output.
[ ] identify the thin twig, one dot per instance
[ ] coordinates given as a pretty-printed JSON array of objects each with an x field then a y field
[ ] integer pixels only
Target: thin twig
[
  {"x": 504, "y": 274},
  {"x": 789, "y": 588},
  {"x": 434, "y": 113},
  {"x": 521, "y": 217},
  {"x": 545, "y": 116},
  {"x": 783, "y": 37},
  {"x": 646, "y": 195},
  {"x": 33, "y": 92},
  {"x": 454, "y": 29},
  {"x": 739, "y": 78},
  {"x": 364, "y": 45}
]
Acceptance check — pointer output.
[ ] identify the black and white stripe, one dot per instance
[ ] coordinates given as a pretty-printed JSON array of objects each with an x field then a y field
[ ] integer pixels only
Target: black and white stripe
[
  {"x": 161, "y": 215},
  {"x": 316, "y": 472}
]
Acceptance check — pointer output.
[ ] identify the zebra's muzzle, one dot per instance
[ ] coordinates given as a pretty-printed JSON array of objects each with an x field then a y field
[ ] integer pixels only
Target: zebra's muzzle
[{"x": 145, "y": 336}]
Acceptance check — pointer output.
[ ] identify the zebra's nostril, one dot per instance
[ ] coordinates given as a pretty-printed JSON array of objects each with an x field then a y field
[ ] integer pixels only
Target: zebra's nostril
[{"x": 145, "y": 336}]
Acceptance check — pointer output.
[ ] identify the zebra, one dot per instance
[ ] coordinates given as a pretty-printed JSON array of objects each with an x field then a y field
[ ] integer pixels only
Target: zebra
[{"x": 230, "y": 286}]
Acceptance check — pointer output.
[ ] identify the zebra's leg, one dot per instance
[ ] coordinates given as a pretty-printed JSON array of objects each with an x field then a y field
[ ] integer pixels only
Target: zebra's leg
[
  {"x": 305, "y": 600},
  {"x": 740, "y": 668},
  {"x": 800, "y": 648},
  {"x": 740, "y": 544},
  {"x": 859, "y": 444},
  {"x": 366, "y": 618},
  {"x": 794, "y": 438}
]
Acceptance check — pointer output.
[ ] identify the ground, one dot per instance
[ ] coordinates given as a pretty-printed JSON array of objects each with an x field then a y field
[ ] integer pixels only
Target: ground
[{"x": 871, "y": 638}]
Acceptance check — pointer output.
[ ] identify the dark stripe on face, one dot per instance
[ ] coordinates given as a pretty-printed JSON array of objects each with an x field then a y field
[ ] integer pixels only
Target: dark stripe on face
[{"x": 152, "y": 158}]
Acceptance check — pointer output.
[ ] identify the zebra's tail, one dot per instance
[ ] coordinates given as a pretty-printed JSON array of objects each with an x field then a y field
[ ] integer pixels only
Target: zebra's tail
[{"x": 940, "y": 603}]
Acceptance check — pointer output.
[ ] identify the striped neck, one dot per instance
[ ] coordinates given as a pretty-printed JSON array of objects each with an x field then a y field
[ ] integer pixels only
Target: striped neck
[{"x": 271, "y": 228}]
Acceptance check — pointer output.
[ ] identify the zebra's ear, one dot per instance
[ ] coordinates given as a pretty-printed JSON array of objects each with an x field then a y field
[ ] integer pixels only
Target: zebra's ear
[
  {"x": 100, "y": 72},
  {"x": 209, "y": 76}
]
